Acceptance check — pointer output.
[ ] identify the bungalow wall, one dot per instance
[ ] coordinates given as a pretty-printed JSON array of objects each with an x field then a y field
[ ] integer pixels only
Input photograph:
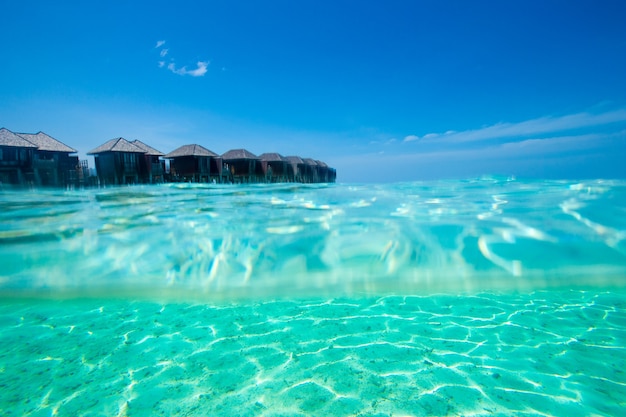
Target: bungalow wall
[
  {"x": 245, "y": 170},
  {"x": 294, "y": 172},
  {"x": 219, "y": 173},
  {"x": 302, "y": 173},
  {"x": 275, "y": 171},
  {"x": 69, "y": 168},
  {"x": 117, "y": 167},
  {"x": 54, "y": 168},
  {"x": 16, "y": 165},
  {"x": 193, "y": 168},
  {"x": 151, "y": 169},
  {"x": 312, "y": 176},
  {"x": 322, "y": 174},
  {"x": 310, "y": 171}
]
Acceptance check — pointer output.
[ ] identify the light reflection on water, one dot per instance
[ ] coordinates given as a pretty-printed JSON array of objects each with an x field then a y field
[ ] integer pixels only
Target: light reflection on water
[{"x": 264, "y": 239}]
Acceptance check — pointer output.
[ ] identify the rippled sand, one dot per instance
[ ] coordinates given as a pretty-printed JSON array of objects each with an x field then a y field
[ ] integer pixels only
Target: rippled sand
[{"x": 545, "y": 353}]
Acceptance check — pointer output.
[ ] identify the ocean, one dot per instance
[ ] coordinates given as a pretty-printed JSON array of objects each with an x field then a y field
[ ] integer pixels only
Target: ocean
[{"x": 490, "y": 296}]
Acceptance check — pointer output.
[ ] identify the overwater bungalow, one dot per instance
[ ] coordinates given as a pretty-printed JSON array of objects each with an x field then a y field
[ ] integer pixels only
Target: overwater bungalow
[
  {"x": 295, "y": 168},
  {"x": 322, "y": 171},
  {"x": 118, "y": 162},
  {"x": 274, "y": 167},
  {"x": 310, "y": 170},
  {"x": 36, "y": 159},
  {"x": 39, "y": 159},
  {"x": 244, "y": 166},
  {"x": 53, "y": 163},
  {"x": 325, "y": 173},
  {"x": 151, "y": 167},
  {"x": 195, "y": 163}
]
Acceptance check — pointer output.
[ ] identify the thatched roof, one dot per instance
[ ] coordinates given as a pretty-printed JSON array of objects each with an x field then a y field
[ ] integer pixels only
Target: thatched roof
[
  {"x": 294, "y": 160},
  {"x": 309, "y": 161},
  {"x": 271, "y": 157},
  {"x": 321, "y": 163},
  {"x": 148, "y": 150},
  {"x": 234, "y": 154},
  {"x": 116, "y": 145},
  {"x": 191, "y": 150},
  {"x": 8, "y": 138},
  {"x": 46, "y": 142}
]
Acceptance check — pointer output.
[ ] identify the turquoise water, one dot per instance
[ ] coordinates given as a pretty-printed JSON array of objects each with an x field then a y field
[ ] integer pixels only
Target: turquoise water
[{"x": 482, "y": 297}]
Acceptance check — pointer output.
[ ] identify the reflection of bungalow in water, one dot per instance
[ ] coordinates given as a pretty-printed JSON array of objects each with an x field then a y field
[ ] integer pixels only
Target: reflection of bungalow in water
[
  {"x": 151, "y": 167},
  {"x": 118, "y": 162},
  {"x": 244, "y": 166},
  {"x": 36, "y": 159},
  {"x": 274, "y": 167},
  {"x": 195, "y": 163}
]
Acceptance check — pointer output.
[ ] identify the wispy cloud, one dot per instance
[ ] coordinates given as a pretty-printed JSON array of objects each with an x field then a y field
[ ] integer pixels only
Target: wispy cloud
[
  {"x": 543, "y": 125},
  {"x": 573, "y": 145},
  {"x": 199, "y": 71},
  {"x": 390, "y": 141},
  {"x": 561, "y": 156}
]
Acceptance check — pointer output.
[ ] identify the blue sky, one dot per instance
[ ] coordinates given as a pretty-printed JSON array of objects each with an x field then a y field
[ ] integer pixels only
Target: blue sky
[{"x": 382, "y": 91}]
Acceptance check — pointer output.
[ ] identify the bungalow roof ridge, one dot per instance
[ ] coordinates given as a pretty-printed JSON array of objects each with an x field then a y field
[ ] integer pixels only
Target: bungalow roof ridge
[
  {"x": 11, "y": 139},
  {"x": 45, "y": 142},
  {"x": 116, "y": 145},
  {"x": 149, "y": 150},
  {"x": 191, "y": 150},
  {"x": 272, "y": 157},
  {"x": 239, "y": 153},
  {"x": 294, "y": 159}
]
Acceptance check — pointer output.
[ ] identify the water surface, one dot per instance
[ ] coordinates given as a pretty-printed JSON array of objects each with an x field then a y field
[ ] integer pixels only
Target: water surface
[{"x": 481, "y": 297}]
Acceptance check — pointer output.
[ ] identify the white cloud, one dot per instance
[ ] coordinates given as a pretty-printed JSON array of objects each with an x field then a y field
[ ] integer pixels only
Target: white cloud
[
  {"x": 543, "y": 125},
  {"x": 411, "y": 138},
  {"x": 201, "y": 70},
  {"x": 198, "y": 72}
]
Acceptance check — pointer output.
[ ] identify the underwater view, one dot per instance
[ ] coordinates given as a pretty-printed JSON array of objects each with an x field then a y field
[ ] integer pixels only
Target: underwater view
[{"x": 491, "y": 296}]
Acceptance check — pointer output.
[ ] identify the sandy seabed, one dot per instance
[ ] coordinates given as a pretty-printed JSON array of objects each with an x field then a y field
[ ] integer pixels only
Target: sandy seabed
[{"x": 543, "y": 353}]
